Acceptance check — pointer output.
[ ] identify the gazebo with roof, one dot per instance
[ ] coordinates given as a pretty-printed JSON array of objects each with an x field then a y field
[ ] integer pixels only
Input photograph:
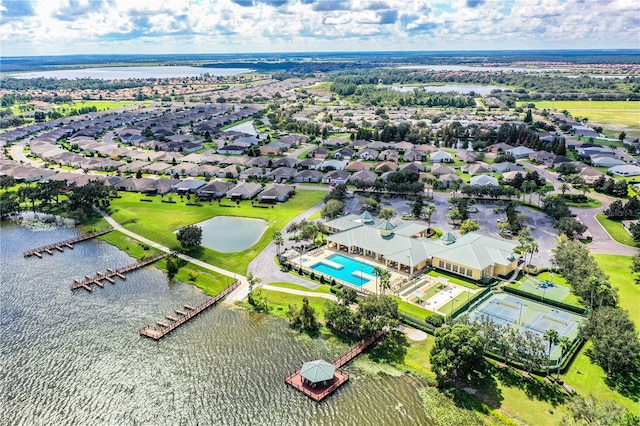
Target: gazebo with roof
[{"x": 318, "y": 373}]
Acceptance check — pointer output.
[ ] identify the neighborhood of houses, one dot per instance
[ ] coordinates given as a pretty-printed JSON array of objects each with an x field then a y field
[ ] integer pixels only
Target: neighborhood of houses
[{"x": 159, "y": 149}]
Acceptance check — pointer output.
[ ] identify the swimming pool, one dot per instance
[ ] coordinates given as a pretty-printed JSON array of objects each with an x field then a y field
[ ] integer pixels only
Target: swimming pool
[{"x": 346, "y": 269}]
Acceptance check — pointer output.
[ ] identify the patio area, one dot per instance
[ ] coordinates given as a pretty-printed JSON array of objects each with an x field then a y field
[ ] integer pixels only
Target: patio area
[{"x": 322, "y": 255}]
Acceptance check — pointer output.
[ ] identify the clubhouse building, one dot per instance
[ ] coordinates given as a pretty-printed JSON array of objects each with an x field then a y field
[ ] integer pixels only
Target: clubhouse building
[{"x": 405, "y": 248}]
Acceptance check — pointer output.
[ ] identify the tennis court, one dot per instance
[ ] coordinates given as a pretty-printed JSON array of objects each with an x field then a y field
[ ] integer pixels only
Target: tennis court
[
  {"x": 544, "y": 289},
  {"x": 524, "y": 314}
]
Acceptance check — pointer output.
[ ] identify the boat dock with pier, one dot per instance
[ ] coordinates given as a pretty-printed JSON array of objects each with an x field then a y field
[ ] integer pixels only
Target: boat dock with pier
[
  {"x": 340, "y": 377},
  {"x": 164, "y": 328},
  {"x": 67, "y": 243},
  {"x": 108, "y": 276}
]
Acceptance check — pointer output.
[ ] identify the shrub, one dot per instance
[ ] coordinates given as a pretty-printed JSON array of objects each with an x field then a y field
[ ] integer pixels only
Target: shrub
[{"x": 435, "y": 320}]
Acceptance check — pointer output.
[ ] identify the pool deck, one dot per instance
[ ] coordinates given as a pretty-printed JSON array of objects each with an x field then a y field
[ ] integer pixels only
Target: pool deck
[{"x": 321, "y": 255}]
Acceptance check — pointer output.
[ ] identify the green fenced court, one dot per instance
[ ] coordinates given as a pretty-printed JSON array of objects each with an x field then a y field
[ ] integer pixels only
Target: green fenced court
[
  {"x": 544, "y": 289},
  {"x": 525, "y": 314}
]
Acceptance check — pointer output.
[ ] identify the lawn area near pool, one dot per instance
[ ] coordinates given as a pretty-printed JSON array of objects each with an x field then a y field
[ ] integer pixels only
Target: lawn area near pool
[
  {"x": 617, "y": 232},
  {"x": 157, "y": 221}
]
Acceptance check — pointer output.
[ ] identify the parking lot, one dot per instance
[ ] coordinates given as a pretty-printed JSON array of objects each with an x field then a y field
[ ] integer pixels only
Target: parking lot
[{"x": 541, "y": 225}]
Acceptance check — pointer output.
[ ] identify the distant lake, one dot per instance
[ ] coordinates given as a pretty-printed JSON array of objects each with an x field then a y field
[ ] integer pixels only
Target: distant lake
[
  {"x": 123, "y": 73},
  {"x": 480, "y": 89},
  {"x": 477, "y": 69}
]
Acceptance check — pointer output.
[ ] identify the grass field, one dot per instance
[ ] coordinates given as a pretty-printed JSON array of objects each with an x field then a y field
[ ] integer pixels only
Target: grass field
[
  {"x": 588, "y": 378},
  {"x": 157, "y": 221},
  {"x": 278, "y": 303},
  {"x": 321, "y": 289},
  {"x": 626, "y": 113},
  {"x": 100, "y": 105},
  {"x": 616, "y": 231}
]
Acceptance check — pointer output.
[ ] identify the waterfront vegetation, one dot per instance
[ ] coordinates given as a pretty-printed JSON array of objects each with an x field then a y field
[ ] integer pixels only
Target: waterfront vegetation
[{"x": 157, "y": 221}]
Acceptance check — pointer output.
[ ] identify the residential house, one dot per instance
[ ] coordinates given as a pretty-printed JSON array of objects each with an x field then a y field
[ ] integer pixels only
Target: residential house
[
  {"x": 308, "y": 176},
  {"x": 333, "y": 165},
  {"x": 606, "y": 161},
  {"x": 414, "y": 155},
  {"x": 483, "y": 180},
  {"x": 244, "y": 191},
  {"x": 188, "y": 186},
  {"x": 520, "y": 151},
  {"x": 389, "y": 155},
  {"x": 336, "y": 177},
  {"x": 440, "y": 169},
  {"x": 232, "y": 150},
  {"x": 344, "y": 154},
  {"x": 283, "y": 174},
  {"x": 625, "y": 170},
  {"x": 363, "y": 177},
  {"x": 310, "y": 163},
  {"x": 368, "y": 154},
  {"x": 275, "y": 193},
  {"x": 357, "y": 166},
  {"x": 215, "y": 189},
  {"x": 441, "y": 157},
  {"x": 505, "y": 167}
]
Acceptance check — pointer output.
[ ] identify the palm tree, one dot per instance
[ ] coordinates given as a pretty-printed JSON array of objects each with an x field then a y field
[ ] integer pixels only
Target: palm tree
[
  {"x": 528, "y": 187},
  {"x": 385, "y": 280},
  {"x": 278, "y": 240},
  {"x": 565, "y": 345},
  {"x": 564, "y": 188},
  {"x": 533, "y": 248},
  {"x": 428, "y": 211},
  {"x": 553, "y": 338},
  {"x": 378, "y": 271}
]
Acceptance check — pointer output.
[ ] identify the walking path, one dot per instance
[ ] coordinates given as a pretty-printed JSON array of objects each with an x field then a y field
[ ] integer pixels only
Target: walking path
[{"x": 267, "y": 269}]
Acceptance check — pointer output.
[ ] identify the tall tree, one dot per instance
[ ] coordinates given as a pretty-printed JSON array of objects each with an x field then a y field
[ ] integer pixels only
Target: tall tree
[
  {"x": 457, "y": 353},
  {"x": 189, "y": 236},
  {"x": 428, "y": 211},
  {"x": 553, "y": 338},
  {"x": 278, "y": 241}
]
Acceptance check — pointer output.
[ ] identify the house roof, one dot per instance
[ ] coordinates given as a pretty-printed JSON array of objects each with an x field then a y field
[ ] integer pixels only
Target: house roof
[{"x": 478, "y": 251}]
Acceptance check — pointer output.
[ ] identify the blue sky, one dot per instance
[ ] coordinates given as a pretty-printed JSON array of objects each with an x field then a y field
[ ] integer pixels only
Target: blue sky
[{"x": 48, "y": 27}]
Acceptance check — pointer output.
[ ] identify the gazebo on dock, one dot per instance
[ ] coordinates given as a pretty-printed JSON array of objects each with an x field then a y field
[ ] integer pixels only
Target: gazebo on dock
[{"x": 318, "y": 373}]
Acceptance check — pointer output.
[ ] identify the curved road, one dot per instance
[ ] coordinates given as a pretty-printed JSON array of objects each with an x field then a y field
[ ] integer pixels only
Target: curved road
[{"x": 602, "y": 242}]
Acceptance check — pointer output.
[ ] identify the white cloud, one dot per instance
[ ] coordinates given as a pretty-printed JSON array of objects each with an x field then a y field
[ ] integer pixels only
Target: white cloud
[{"x": 123, "y": 26}]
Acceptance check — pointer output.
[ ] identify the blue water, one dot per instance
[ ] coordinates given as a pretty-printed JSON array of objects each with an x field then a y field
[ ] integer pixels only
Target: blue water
[{"x": 349, "y": 266}]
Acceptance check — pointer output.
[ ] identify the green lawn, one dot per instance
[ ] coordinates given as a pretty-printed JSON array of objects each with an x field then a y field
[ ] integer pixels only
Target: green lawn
[
  {"x": 157, "y": 221},
  {"x": 618, "y": 268},
  {"x": 604, "y": 112},
  {"x": 322, "y": 289},
  {"x": 586, "y": 377},
  {"x": 279, "y": 302},
  {"x": 616, "y": 231},
  {"x": 414, "y": 311},
  {"x": 454, "y": 304},
  {"x": 210, "y": 282},
  {"x": 454, "y": 279}
]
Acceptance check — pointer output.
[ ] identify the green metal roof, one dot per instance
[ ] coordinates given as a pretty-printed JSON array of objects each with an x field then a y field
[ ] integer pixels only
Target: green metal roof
[{"x": 317, "y": 371}]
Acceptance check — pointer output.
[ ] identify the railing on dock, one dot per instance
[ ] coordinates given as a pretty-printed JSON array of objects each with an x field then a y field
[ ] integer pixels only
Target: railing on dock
[
  {"x": 66, "y": 243},
  {"x": 108, "y": 276},
  {"x": 156, "y": 333}
]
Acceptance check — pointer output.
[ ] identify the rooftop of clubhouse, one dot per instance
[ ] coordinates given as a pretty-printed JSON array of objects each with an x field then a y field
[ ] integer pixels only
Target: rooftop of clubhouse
[{"x": 406, "y": 248}]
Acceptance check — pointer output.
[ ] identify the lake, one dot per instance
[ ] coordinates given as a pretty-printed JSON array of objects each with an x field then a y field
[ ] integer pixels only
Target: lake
[
  {"x": 459, "y": 88},
  {"x": 230, "y": 234},
  {"x": 123, "y": 73},
  {"x": 76, "y": 358}
]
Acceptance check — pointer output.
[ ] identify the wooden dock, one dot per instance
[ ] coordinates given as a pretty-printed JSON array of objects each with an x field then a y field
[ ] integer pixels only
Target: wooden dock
[
  {"x": 341, "y": 377},
  {"x": 60, "y": 246},
  {"x": 108, "y": 276},
  {"x": 157, "y": 333}
]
